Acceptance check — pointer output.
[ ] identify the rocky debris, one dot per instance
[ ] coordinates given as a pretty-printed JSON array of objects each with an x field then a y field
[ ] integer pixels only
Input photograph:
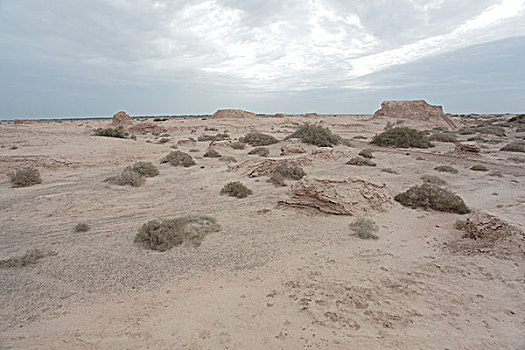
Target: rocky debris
[
  {"x": 292, "y": 149},
  {"x": 263, "y": 167},
  {"x": 186, "y": 143},
  {"x": 220, "y": 144},
  {"x": 327, "y": 153},
  {"x": 121, "y": 119},
  {"x": 280, "y": 115},
  {"x": 356, "y": 196},
  {"x": 419, "y": 111},
  {"x": 481, "y": 225},
  {"x": 471, "y": 147},
  {"x": 232, "y": 113},
  {"x": 311, "y": 115}
]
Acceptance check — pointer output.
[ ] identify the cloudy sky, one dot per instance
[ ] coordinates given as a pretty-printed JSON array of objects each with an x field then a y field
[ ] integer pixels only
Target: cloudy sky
[{"x": 74, "y": 58}]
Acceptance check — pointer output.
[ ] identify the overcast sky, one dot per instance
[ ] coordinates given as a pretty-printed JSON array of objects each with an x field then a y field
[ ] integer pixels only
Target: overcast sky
[{"x": 74, "y": 58}]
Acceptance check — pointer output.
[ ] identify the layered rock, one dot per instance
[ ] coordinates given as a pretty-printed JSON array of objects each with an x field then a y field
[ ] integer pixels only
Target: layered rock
[
  {"x": 232, "y": 113},
  {"x": 415, "y": 111},
  {"x": 121, "y": 119}
]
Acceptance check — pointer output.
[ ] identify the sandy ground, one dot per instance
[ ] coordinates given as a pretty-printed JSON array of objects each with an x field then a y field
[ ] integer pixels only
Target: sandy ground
[{"x": 273, "y": 277}]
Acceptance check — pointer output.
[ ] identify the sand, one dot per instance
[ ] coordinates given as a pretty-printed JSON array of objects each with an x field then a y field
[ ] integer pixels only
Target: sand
[{"x": 274, "y": 277}]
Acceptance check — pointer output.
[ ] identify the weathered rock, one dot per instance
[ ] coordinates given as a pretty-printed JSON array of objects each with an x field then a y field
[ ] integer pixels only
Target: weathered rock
[
  {"x": 339, "y": 195},
  {"x": 327, "y": 153},
  {"x": 292, "y": 149},
  {"x": 146, "y": 127},
  {"x": 280, "y": 115},
  {"x": 220, "y": 144},
  {"x": 418, "y": 111},
  {"x": 186, "y": 143},
  {"x": 121, "y": 119},
  {"x": 263, "y": 167},
  {"x": 232, "y": 113},
  {"x": 311, "y": 115},
  {"x": 467, "y": 148}
]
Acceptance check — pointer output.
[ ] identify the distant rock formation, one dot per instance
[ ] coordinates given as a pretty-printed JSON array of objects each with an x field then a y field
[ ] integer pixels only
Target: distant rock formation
[
  {"x": 121, "y": 119},
  {"x": 280, "y": 115},
  {"x": 24, "y": 121},
  {"x": 311, "y": 115},
  {"x": 415, "y": 111},
  {"x": 232, "y": 113}
]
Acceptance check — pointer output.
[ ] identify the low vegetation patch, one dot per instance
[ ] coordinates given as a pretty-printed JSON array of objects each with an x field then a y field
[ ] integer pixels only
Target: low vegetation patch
[
  {"x": 443, "y": 137},
  {"x": 218, "y": 137},
  {"x": 238, "y": 145},
  {"x": 25, "y": 177},
  {"x": 479, "y": 167},
  {"x": 163, "y": 140},
  {"x": 160, "y": 119},
  {"x": 82, "y": 227},
  {"x": 364, "y": 228},
  {"x": 258, "y": 139},
  {"x": 211, "y": 153},
  {"x": 166, "y": 234},
  {"x": 228, "y": 159},
  {"x": 446, "y": 169},
  {"x": 402, "y": 138},
  {"x": 366, "y": 153},
  {"x": 30, "y": 258},
  {"x": 236, "y": 189},
  {"x": 178, "y": 158},
  {"x": 117, "y": 132},
  {"x": 432, "y": 179},
  {"x": 315, "y": 135},
  {"x": 389, "y": 170},
  {"x": 145, "y": 169},
  {"x": 260, "y": 151},
  {"x": 128, "y": 177},
  {"x": 286, "y": 170},
  {"x": 434, "y": 197},
  {"x": 360, "y": 161},
  {"x": 517, "y": 146}
]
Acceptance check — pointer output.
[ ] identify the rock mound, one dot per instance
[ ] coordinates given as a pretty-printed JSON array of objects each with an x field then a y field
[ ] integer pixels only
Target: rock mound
[
  {"x": 311, "y": 115},
  {"x": 232, "y": 113},
  {"x": 339, "y": 195},
  {"x": 220, "y": 144},
  {"x": 292, "y": 149},
  {"x": 121, "y": 119},
  {"x": 263, "y": 167},
  {"x": 417, "y": 111}
]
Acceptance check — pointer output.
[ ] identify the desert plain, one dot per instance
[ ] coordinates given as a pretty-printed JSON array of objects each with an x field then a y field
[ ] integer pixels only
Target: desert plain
[{"x": 278, "y": 274}]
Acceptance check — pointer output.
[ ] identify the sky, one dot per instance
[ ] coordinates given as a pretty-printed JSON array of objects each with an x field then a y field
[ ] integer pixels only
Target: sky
[{"x": 88, "y": 58}]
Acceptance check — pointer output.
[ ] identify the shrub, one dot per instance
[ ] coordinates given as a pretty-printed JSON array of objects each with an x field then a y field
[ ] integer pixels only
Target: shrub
[
  {"x": 443, "y": 137},
  {"x": 360, "y": 161},
  {"x": 228, "y": 159},
  {"x": 432, "y": 179},
  {"x": 277, "y": 179},
  {"x": 491, "y": 130},
  {"x": 218, "y": 137},
  {"x": 258, "y": 139},
  {"x": 479, "y": 167},
  {"x": 516, "y": 159},
  {"x": 145, "y": 169},
  {"x": 466, "y": 131},
  {"x": 514, "y": 147},
  {"x": 165, "y": 135},
  {"x": 364, "y": 228},
  {"x": 460, "y": 224},
  {"x": 236, "y": 189},
  {"x": 289, "y": 171},
  {"x": 433, "y": 197},
  {"x": 238, "y": 145},
  {"x": 166, "y": 234},
  {"x": 518, "y": 119},
  {"x": 360, "y": 137},
  {"x": 366, "y": 153},
  {"x": 260, "y": 151},
  {"x": 210, "y": 129},
  {"x": 389, "y": 170},
  {"x": 178, "y": 158},
  {"x": 31, "y": 257},
  {"x": 446, "y": 169},
  {"x": 211, "y": 153},
  {"x": 82, "y": 227},
  {"x": 25, "y": 177},
  {"x": 315, "y": 135},
  {"x": 194, "y": 150},
  {"x": 128, "y": 177},
  {"x": 160, "y": 119},
  {"x": 163, "y": 140},
  {"x": 117, "y": 132},
  {"x": 402, "y": 138}
]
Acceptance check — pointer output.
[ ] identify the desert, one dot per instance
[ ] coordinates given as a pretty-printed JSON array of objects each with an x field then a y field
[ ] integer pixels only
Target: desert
[{"x": 293, "y": 231}]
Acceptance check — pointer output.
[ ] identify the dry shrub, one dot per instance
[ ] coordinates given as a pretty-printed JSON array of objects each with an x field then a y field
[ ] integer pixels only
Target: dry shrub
[
  {"x": 286, "y": 170},
  {"x": 236, "y": 189},
  {"x": 145, "y": 169},
  {"x": 258, "y": 139},
  {"x": 178, "y": 158},
  {"x": 238, "y": 145},
  {"x": 432, "y": 179},
  {"x": 228, "y": 159},
  {"x": 517, "y": 146},
  {"x": 218, "y": 137},
  {"x": 117, "y": 132},
  {"x": 446, "y": 169},
  {"x": 360, "y": 162},
  {"x": 211, "y": 153},
  {"x": 443, "y": 137},
  {"x": 479, "y": 167},
  {"x": 25, "y": 177},
  {"x": 315, "y": 135},
  {"x": 402, "y": 138},
  {"x": 163, "y": 140},
  {"x": 364, "y": 228},
  {"x": 260, "y": 151},
  {"x": 433, "y": 197},
  {"x": 82, "y": 227},
  {"x": 366, "y": 153},
  {"x": 389, "y": 170},
  {"x": 128, "y": 177},
  {"x": 166, "y": 234},
  {"x": 31, "y": 257},
  {"x": 277, "y": 179}
]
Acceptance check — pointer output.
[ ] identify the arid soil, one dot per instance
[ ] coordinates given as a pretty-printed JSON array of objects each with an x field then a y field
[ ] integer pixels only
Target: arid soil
[{"x": 275, "y": 276}]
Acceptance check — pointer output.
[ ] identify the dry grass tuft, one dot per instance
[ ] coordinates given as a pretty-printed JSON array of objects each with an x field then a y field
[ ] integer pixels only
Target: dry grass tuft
[
  {"x": 364, "y": 228},
  {"x": 25, "y": 177},
  {"x": 236, "y": 189},
  {"x": 431, "y": 196}
]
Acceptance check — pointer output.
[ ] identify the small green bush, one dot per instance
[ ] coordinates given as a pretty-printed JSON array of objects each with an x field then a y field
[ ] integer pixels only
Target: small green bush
[
  {"x": 433, "y": 197},
  {"x": 514, "y": 147},
  {"x": 360, "y": 161},
  {"x": 238, "y": 145},
  {"x": 364, "y": 228},
  {"x": 366, "y": 153},
  {"x": 315, "y": 135},
  {"x": 160, "y": 119},
  {"x": 432, "y": 179},
  {"x": 117, "y": 132},
  {"x": 128, "y": 177},
  {"x": 443, "y": 137},
  {"x": 166, "y": 234},
  {"x": 178, "y": 158},
  {"x": 402, "y": 138},
  {"x": 145, "y": 169},
  {"x": 260, "y": 151},
  {"x": 491, "y": 130},
  {"x": 446, "y": 169},
  {"x": 25, "y": 177},
  {"x": 82, "y": 227},
  {"x": 236, "y": 189},
  {"x": 163, "y": 140},
  {"x": 31, "y": 257},
  {"x": 460, "y": 224},
  {"x": 467, "y": 131},
  {"x": 258, "y": 139},
  {"x": 479, "y": 167},
  {"x": 211, "y": 153}
]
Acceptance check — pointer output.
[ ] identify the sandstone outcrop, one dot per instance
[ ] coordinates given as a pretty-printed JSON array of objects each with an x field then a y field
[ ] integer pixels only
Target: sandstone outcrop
[
  {"x": 414, "y": 111},
  {"x": 232, "y": 113},
  {"x": 121, "y": 119},
  {"x": 292, "y": 149}
]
